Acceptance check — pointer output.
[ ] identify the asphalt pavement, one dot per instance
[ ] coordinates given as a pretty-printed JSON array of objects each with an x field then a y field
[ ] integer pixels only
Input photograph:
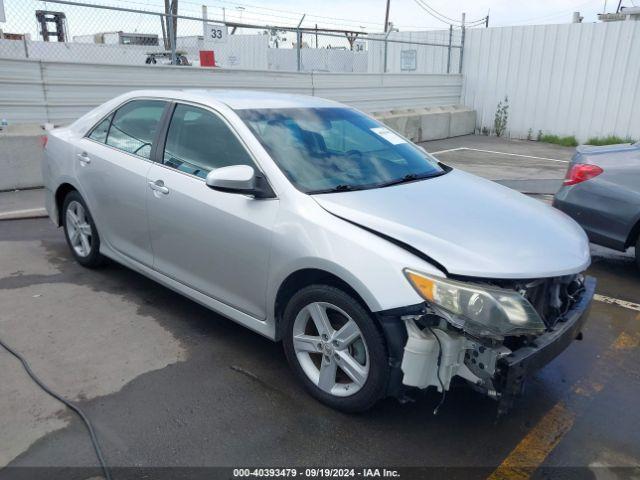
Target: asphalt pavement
[{"x": 168, "y": 383}]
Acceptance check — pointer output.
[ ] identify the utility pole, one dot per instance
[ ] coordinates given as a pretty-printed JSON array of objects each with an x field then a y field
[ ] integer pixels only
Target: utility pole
[
  {"x": 386, "y": 16},
  {"x": 462, "y": 42},
  {"x": 171, "y": 12},
  {"x": 486, "y": 20},
  {"x": 205, "y": 18},
  {"x": 299, "y": 42}
]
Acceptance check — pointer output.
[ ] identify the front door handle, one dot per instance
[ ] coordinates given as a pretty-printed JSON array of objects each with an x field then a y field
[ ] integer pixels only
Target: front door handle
[
  {"x": 84, "y": 157},
  {"x": 158, "y": 186}
]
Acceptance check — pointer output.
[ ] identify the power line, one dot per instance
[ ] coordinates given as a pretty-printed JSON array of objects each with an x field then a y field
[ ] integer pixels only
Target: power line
[
  {"x": 296, "y": 16},
  {"x": 259, "y": 16},
  {"x": 445, "y": 19},
  {"x": 291, "y": 20}
]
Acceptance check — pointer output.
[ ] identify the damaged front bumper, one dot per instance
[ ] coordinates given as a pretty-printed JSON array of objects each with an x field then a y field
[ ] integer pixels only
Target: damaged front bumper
[
  {"x": 513, "y": 369},
  {"x": 425, "y": 354}
]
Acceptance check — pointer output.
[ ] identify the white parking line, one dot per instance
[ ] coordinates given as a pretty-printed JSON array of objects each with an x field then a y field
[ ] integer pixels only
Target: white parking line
[
  {"x": 499, "y": 153},
  {"x": 28, "y": 213},
  {"x": 449, "y": 150},
  {"x": 615, "y": 301}
]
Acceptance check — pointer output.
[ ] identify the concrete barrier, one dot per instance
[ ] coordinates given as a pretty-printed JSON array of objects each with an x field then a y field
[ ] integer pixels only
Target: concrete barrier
[
  {"x": 20, "y": 157},
  {"x": 430, "y": 123}
]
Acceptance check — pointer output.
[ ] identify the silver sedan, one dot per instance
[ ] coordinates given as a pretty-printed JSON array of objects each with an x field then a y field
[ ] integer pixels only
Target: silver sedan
[{"x": 381, "y": 270}]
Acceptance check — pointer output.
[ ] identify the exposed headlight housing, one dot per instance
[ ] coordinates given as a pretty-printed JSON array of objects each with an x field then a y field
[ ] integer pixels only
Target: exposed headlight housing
[{"x": 479, "y": 310}]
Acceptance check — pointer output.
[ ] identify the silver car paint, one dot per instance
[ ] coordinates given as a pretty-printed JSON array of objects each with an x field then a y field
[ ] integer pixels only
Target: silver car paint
[
  {"x": 114, "y": 188},
  {"x": 232, "y": 253},
  {"x": 472, "y": 226},
  {"x": 214, "y": 242}
]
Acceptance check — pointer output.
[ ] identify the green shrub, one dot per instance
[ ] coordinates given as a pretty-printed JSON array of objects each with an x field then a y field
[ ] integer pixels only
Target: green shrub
[
  {"x": 608, "y": 140},
  {"x": 565, "y": 141},
  {"x": 501, "y": 117}
]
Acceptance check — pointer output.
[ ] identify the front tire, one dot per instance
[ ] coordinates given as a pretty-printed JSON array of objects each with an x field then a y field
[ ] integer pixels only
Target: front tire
[
  {"x": 335, "y": 348},
  {"x": 80, "y": 231}
]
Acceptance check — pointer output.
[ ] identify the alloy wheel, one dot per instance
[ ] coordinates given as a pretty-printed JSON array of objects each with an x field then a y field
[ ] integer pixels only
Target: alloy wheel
[
  {"x": 331, "y": 349},
  {"x": 78, "y": 228}
]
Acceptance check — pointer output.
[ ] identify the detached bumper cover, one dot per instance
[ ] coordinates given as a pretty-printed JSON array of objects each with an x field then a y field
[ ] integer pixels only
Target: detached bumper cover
[{"x": 520, "y": 364}]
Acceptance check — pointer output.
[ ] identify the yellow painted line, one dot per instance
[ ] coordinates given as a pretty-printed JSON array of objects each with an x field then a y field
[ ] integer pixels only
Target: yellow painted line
[
  {"x": 617, "y": 301},
  {"x": 540, "y": 441},
  {"x": 626, "y": 342},
  {"x": 536, "y": 445}
]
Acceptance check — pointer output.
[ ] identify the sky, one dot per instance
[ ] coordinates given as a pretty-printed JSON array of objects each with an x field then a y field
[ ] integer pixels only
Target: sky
[
  {"x": 408, "y": 14},
  {"x": 358, "y": 15}
]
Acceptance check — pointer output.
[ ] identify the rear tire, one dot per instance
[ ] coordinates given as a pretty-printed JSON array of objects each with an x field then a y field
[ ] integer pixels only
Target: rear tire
[
  {"x": 80, "y": 231},
  {"x": 344, "y": 362},
  {"x": 638, "y": 252}
]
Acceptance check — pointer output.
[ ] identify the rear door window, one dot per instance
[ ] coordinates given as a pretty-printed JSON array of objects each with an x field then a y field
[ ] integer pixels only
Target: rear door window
[
  {"x": 100, "y": 131},
  {"x": 134, "y": 127}
]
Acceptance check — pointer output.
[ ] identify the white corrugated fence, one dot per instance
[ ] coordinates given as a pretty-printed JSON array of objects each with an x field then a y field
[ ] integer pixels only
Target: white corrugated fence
[
  {"x": 33, "y": 91},
  {"x": 572, "y": 79}
]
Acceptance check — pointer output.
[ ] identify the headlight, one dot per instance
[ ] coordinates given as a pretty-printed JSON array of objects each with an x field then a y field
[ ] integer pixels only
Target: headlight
[{"x": 478, "y": 310}]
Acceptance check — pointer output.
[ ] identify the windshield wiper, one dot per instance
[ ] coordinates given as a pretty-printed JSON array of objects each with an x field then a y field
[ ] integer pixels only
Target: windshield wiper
[
  {"x": 409, "y": 177},
  {"x": 343, "y": 187}
]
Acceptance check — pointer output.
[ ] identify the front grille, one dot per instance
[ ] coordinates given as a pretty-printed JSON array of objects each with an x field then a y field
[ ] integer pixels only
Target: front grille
[{"x": 553, "y": 297}]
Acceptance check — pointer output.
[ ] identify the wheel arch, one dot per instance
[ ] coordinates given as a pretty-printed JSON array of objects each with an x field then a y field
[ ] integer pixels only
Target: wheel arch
[
  {"x": 302, "y": 278},
  {"x": 633, "y": 234},
  {"x": 61, "y": 192}
]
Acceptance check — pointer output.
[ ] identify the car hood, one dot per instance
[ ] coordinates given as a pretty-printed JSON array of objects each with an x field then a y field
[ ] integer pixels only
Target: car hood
[{"x": 470, "y": 226}]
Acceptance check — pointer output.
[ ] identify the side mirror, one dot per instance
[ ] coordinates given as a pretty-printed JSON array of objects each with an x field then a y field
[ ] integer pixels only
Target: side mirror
[{"x": 239, "y": 179}]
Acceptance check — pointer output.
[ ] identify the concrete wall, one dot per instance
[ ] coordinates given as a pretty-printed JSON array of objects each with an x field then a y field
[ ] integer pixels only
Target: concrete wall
[
  {"x": 431, "y": 123},
  {"x": 20, "y": 157}
]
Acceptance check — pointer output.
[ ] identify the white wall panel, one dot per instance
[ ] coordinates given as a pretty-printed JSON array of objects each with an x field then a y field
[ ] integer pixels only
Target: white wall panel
[
  {"x": 34, "y": 91},
  {"x": 571, "y": 79}
]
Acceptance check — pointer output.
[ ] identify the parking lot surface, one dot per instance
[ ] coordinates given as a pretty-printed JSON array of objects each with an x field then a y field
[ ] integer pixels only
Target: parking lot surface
[{"x": 168, "y": 383}]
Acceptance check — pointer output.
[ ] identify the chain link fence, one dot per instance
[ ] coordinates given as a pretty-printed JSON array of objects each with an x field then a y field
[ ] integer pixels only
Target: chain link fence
[{"x": 68, "y": 31}]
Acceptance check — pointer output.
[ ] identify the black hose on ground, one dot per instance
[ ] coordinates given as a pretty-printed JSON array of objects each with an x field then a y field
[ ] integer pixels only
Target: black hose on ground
[{"x": 76, "y": 409}]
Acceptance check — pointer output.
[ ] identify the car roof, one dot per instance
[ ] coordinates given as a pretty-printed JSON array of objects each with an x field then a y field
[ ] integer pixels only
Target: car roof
[
  {"x": 234, "y": 99},
  {"x": 254, "y": 99},
  {"x": 240, "y": 99}
]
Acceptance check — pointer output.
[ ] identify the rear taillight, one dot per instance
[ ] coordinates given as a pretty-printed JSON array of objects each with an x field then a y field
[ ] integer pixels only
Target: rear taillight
[
  {"x": 43, "y": 140},
  {"x": 581, "y": 172}
]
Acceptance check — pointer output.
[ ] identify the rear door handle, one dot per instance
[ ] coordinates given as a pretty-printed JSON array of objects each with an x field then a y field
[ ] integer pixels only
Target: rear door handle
[
  {"x": 158, "y": 186},
  {"x": 84, "y": 157}
]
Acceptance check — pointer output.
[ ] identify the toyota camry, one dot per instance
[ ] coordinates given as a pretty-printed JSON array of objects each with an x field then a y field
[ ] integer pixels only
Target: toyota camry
[{"x": 380, "y": 269}]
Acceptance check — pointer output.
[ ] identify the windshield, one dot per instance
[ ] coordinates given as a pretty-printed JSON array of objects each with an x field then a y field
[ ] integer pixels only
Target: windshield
[{"x": 337, "y": 149}]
